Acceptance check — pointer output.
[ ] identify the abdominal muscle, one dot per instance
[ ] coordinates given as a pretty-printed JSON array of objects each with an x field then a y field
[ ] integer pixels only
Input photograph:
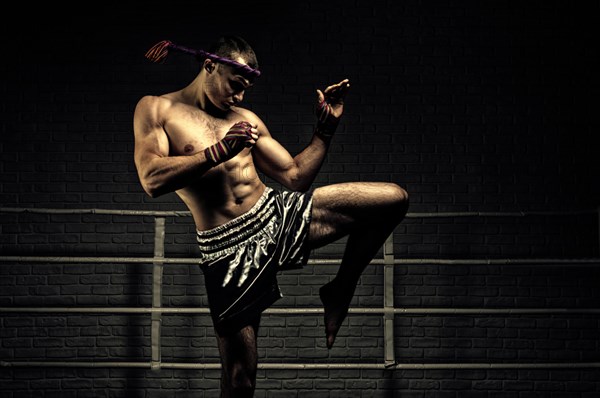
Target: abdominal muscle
[{"x": 224, "y": 192}]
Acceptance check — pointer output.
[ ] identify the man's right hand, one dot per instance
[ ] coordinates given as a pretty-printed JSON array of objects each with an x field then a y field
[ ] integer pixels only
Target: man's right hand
[{"x": 241, "y": 135}]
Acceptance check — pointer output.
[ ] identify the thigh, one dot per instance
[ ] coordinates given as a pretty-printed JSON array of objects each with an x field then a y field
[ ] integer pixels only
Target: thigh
[{"x": 339, "y": 208}]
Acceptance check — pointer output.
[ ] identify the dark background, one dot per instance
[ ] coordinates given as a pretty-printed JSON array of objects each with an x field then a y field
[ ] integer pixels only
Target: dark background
[{"x": 471, "y": 106}]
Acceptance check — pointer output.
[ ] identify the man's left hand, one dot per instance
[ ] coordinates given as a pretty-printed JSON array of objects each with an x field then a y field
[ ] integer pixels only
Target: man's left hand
[{"x": 330, "y": 106}]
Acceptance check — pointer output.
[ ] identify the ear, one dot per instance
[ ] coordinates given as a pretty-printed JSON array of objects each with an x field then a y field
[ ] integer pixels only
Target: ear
[{"x": 209, "y": 65}]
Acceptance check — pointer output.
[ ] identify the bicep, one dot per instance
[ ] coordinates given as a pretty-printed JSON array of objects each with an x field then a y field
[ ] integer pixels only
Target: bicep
[{"x": 271, "y": 157}]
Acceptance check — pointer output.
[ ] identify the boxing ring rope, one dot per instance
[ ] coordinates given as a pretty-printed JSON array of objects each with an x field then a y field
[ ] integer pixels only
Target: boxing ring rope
[{"x": 388, "y": 310}]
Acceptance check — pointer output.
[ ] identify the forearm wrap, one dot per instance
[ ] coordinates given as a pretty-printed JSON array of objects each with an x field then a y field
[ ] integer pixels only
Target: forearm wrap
[{"x": 326, "y": 124}]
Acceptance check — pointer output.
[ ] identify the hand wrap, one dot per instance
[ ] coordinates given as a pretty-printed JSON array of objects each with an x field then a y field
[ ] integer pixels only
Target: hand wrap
[
  {"x": 235, "y": 140},
  {"x": 326, "y": 123}
]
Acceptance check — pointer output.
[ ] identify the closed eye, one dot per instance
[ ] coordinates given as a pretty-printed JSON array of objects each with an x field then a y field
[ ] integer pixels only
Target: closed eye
[{"x": 237, "y": 86}]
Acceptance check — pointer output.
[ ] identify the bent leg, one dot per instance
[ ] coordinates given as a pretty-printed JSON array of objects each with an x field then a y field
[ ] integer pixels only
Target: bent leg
[
  {"x": 366, "y": 212},
  {"x": 238, "y": 362}
]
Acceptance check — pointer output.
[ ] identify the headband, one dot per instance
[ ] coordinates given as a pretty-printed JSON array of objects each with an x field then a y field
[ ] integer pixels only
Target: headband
[{"x": 159, "y": 52}]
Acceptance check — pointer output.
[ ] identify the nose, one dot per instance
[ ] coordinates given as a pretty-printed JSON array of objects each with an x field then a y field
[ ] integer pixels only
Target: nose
[{"x": 239, "y": 96}]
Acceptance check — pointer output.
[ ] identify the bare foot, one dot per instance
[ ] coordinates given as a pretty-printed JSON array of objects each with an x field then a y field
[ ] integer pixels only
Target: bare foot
[{"x": 335, "y": 306}]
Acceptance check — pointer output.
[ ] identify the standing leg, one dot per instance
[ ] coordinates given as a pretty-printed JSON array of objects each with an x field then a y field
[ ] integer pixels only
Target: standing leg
[
  {"x": 365, "y": 212},
  {"x": 239, "y": 360}
]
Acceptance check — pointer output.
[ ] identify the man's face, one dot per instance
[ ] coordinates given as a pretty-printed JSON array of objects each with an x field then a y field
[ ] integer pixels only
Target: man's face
[{"x": 226, "y": 87}]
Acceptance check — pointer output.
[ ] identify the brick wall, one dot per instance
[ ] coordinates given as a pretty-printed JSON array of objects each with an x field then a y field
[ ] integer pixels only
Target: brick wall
[{"x": 471, "y": 106}]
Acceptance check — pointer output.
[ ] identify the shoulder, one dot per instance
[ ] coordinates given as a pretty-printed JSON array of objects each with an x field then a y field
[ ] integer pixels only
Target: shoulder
[
  {"x": 153, "y": 102},
  {"x": 246, "y": 114},
  {"x": 151, "y": 113},
  {"x": 153, "y": 108},
  {"x": 252, "y": 118}
]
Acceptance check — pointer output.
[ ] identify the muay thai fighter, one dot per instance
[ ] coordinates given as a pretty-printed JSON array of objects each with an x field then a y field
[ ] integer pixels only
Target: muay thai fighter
[{"x": 200, "y": 143}]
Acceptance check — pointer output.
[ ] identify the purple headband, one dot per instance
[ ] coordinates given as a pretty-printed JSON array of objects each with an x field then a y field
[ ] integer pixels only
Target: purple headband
[{"x": 159, "y": 52}]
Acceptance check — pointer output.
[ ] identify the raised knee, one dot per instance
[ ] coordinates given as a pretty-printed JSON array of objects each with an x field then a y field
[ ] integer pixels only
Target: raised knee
[
  {"x": 399, "y": 198},
  {"x": 398, "y": 194}
]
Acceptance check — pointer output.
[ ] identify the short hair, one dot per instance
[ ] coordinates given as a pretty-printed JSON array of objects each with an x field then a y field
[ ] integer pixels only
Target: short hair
[{"x": 233, "y": 46}]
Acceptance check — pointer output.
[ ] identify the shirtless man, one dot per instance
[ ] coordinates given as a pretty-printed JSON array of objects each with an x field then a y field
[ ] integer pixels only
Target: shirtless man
[{"x": 199, "y": 143}]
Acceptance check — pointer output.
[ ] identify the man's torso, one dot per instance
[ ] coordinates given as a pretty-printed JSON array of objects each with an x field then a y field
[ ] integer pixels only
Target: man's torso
[{"x": 228, "y": 189}]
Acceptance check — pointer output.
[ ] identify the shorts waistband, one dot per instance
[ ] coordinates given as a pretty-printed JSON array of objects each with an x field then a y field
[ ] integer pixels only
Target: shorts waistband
[{"x": 225, "y": 238}]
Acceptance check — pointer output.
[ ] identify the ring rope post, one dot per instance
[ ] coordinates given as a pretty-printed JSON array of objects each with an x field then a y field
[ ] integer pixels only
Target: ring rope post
[
  {"x": 157, "y": 274},
  {"x": 388, "y": 300}
]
